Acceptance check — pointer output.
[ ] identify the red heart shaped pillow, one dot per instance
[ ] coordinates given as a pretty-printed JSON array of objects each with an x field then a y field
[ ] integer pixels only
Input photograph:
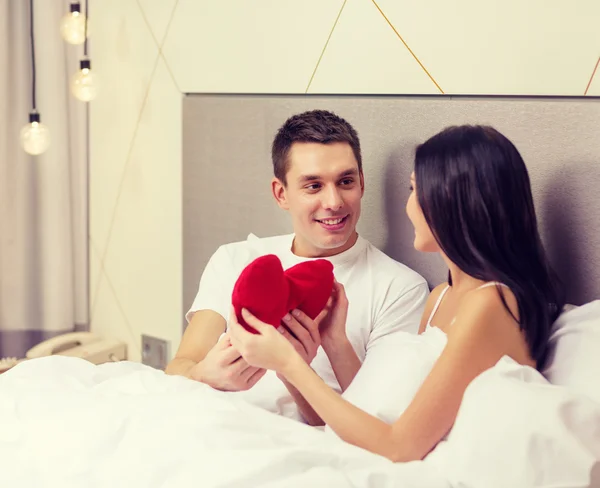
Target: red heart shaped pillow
[
  {"x": 269, "y": 293},
  {"x": 310, "y": 285},
  {"x": 263, "y": 290}
]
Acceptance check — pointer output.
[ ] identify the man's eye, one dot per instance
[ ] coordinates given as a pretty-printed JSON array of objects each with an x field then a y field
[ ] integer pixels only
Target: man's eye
[
  {"x": 314, "y": 186},
  {"x": 411, "y": 188},
  {"x": 347, "y": 181}
]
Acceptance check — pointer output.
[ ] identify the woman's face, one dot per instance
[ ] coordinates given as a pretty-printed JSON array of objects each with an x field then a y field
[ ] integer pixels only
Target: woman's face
[{"x": 424, "y": 240}]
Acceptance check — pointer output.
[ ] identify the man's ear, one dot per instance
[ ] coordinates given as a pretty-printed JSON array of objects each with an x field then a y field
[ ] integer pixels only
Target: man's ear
[
  {"x": 280, "y": 193},
  {"x": 362, "y": 184}
]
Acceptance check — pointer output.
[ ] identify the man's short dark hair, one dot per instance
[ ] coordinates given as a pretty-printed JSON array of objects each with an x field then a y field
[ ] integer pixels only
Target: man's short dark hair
[{"x": 318, "y": 126}]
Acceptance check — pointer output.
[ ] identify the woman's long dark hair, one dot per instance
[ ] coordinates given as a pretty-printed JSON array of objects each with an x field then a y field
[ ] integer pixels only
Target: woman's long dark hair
[{"x": 475, "y": 193}]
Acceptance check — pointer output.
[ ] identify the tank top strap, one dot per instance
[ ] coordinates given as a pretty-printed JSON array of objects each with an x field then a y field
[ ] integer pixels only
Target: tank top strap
[
  {"x": 491, "y": 283},
  {"x": 437, "y": 304}
]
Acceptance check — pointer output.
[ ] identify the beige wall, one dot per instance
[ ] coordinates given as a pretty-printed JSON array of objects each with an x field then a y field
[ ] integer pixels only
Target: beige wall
[{"x": 150, "y": 52}]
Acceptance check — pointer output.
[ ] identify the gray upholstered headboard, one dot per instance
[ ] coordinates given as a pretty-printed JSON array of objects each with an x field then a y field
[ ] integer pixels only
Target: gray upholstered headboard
[{"x": 227, "y": 169}]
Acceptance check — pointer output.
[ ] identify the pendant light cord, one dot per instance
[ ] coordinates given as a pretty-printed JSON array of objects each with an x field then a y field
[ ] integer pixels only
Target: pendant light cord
[
  {"x": 32, "y": 37},
  {"x": 87, "y": 17}
]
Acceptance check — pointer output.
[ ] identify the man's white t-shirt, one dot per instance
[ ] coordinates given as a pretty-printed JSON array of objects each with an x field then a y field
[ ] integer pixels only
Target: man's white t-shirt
[{"x": 384, "y": 296}]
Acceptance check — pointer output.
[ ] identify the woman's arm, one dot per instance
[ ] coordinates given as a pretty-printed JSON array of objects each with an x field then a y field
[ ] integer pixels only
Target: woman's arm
[
  {"x": 349, "y": 422},
  {"x": 482, "y": 334},
  {"x": 345, "y": 364},
  {"x": 306, "y": 411},
  {"x": 306, "y": 340}
]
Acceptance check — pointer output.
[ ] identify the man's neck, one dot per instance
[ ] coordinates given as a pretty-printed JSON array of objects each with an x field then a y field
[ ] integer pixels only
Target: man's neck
[{"x": 305, "y": 250}]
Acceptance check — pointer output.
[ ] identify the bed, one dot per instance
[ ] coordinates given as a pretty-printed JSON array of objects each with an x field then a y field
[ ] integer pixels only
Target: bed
[{"x": 68, "y": 423}]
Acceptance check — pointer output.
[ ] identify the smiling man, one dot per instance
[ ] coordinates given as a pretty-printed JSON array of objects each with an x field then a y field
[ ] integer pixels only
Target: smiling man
[{"x": 318, "y": 179}]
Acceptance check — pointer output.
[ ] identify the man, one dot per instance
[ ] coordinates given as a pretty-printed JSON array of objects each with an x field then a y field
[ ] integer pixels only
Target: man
[{"x": 318, "y": 179}]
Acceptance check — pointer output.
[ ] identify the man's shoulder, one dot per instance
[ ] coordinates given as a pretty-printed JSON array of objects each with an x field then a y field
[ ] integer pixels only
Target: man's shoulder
[{"x": 390, "y": 270}]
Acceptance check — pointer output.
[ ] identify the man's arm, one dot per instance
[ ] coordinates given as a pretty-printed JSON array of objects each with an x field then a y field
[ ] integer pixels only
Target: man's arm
[
  {"x": 403, "y": 312},
  {"x": 207, "y": 314},
  {"x": 203, "y": 357},
  {"x": 200, "y": 336}
]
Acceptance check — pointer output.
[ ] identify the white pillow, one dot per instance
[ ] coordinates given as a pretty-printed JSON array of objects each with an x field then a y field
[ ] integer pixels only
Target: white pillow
[
  {"x": 574, "y": 354},
  {"x": 393, "y": 371}
]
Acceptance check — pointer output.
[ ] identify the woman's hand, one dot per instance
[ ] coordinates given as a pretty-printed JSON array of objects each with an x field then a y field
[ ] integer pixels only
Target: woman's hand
[
  {"x": 268, "y": 349},
  {"x": 332, "y": 321},
  {"x": 303, "y": 333}
]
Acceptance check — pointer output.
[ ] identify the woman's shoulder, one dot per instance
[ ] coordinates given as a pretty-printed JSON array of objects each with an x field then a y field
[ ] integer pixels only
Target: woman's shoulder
[
  {"x": 488, "y": 328},
  {"x": 434, "y": 296},
  {"x": 492, "y": 296},
  {"x": 439, "y": 289},
  {"x": 487, "y": 307}
]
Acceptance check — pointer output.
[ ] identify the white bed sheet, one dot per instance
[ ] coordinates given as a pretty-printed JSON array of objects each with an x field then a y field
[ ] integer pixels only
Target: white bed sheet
[{"x": 67, "y": 423}]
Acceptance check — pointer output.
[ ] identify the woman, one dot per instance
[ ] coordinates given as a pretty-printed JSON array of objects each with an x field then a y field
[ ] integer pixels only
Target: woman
[{"x": 471, "y": 202}]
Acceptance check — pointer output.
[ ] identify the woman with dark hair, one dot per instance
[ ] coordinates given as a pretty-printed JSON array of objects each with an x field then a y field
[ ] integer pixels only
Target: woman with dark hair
[
  {"x": 473, "y": 204},
  {"x": 470, "y": 202}
]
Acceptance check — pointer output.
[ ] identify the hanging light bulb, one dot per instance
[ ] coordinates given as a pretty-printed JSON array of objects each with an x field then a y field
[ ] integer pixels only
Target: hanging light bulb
[
  {"x": 35, "y": 136},
  {"x": 84, "y": 84},
  {"x": 73, "y": 25}
]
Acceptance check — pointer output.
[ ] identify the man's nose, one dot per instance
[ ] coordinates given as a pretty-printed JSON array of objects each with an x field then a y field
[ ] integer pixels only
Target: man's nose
[{"x": 332, "y": 200}]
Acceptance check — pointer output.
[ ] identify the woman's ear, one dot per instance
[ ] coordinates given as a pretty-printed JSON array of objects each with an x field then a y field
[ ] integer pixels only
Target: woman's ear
[{"x": 280, "y": 193}]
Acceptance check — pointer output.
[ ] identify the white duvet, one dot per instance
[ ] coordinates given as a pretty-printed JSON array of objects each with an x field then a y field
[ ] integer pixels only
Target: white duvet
[{"x": 67, "y": 423}]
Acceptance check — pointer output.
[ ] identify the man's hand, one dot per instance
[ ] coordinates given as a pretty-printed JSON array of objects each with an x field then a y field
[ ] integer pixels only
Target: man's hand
[
  {"x": 303, "y": 333},
  {"x": 224, "y": 368}
]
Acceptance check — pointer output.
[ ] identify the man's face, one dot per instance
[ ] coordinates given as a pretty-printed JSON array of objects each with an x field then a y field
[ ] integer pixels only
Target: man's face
[{"x": 323, "y": 194}]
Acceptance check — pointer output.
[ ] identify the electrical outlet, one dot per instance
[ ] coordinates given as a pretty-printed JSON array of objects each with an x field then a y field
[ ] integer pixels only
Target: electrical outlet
[{"x": 155, "y": 352}]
